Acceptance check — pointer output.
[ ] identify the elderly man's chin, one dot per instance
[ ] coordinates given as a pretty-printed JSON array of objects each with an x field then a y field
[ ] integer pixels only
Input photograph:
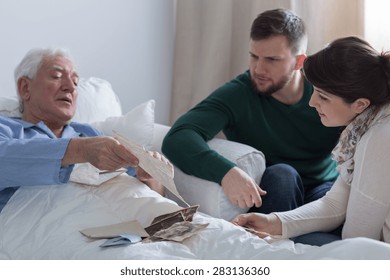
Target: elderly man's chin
[
  {"x": 67, "y": 110},
  {"x": 68, "y": 116},
  {"x": 70, "y": 119}
]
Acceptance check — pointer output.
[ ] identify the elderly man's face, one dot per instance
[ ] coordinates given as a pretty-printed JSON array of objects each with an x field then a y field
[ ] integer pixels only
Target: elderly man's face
[{"x": 51, "y": 96}]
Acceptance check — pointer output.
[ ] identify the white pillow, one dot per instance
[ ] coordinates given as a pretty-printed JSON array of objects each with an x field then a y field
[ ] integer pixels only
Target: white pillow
[
  {"x": 137, "y": 124},
  {"x": 96, "y": 101},
  {"x": 9, "y": 106},
  {"x": 209, "y": 195}
]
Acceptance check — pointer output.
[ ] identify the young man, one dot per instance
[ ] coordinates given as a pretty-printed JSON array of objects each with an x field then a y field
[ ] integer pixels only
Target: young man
[{"x": 267, "y": 108}]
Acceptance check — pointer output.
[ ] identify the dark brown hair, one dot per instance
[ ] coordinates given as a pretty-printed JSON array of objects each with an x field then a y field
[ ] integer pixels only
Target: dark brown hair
[
  {"x": 281, "y": 22},
  {"x": 351, "y": 68}
]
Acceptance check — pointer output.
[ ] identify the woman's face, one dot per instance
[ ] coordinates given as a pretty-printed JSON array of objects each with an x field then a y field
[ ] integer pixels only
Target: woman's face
[{"x": 333, "y": 110}]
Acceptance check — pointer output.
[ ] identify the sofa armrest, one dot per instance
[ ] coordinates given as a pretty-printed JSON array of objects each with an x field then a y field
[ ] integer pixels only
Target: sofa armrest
[{"x": 209, "y": 195}]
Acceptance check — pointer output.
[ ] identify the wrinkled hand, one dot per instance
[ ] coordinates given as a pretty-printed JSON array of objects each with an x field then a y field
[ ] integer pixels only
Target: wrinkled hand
[
  {"x": 144, "y": 177},
  {"x": 262, "y": 225},
  {"x": 103, "y": 152},
  {"x": 241, "y": 189}
]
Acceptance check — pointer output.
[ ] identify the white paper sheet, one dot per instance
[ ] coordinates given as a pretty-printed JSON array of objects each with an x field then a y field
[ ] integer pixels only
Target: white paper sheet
[{"x": 153, "y": 166}]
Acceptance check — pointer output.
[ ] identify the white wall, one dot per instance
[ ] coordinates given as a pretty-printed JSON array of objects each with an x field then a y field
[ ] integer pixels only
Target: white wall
[
  {"x": 377, "y": 22},
  {"x": 127, "y": 42}
]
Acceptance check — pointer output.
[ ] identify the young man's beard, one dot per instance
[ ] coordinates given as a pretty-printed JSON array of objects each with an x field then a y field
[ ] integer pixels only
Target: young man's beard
[{"x": 273, "y": 88}]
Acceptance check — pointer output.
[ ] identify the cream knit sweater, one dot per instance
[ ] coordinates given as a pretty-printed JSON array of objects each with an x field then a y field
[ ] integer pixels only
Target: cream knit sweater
[{"x": 364, "y": 205}]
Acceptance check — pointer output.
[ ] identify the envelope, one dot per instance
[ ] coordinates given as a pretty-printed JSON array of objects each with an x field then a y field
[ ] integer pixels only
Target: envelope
[
  {"x": 115, "y": 230},
  {"x": 86, "y": 173}
]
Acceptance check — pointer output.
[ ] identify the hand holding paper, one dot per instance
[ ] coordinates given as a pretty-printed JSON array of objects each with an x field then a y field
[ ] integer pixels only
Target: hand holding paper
[
  {"x": 147, "y": 179},
  {"x": 158, "y": 169}
]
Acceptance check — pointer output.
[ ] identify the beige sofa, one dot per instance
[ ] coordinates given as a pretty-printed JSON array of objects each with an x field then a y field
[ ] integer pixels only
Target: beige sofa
[{"x": 209, "y": 195}]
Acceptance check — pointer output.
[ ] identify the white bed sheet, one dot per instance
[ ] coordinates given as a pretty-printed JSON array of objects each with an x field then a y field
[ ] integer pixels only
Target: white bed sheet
[{"x": 43, "y": 222}]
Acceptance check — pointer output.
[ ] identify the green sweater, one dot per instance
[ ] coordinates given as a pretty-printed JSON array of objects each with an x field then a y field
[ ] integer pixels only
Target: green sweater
[{"x": 291, "y": 134}]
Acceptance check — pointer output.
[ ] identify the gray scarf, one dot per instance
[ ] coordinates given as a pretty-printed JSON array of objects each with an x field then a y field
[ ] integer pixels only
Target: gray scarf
[{"x": 344, "y": 152}]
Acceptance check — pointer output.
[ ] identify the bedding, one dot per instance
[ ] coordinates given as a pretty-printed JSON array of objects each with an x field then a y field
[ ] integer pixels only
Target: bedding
[{"x": 44, "y": 222}]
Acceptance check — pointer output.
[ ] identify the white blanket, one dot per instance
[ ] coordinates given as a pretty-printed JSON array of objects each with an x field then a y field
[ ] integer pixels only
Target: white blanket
[{"x": 43, "y": 222}]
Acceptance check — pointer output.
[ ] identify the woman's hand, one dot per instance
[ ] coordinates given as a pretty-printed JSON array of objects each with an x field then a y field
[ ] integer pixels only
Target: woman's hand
[{"x": 262, "y": 225}]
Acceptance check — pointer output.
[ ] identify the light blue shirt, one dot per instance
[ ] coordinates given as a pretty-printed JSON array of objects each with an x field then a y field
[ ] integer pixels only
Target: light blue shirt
[{"x": 31, "y": 154}]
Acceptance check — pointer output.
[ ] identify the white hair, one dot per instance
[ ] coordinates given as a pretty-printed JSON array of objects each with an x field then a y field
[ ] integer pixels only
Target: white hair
[{"x": 32, "y": 61}]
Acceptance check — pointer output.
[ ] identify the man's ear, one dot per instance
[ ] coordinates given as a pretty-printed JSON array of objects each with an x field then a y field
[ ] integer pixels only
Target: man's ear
[
  {"x": 360, "y": 105},
  {"x": 23, "y": 88},
  {"x": 300, "y": 59}
]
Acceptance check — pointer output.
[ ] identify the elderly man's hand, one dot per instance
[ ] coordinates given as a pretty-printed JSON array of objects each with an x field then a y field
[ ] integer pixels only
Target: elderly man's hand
[
  {"x": 103, "y": 152},
  {"x": 144, "y": 177}
]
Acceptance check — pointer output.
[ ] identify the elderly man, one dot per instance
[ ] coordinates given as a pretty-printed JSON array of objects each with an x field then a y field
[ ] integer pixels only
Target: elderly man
[{"x": 42, "y": 146}]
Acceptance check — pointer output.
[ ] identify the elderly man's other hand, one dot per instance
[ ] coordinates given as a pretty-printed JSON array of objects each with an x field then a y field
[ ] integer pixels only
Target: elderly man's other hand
[{"x": 147, "y": 179}]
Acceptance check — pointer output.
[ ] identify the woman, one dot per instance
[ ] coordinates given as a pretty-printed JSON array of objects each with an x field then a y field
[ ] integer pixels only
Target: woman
[{"x": 351, "y": 88}]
